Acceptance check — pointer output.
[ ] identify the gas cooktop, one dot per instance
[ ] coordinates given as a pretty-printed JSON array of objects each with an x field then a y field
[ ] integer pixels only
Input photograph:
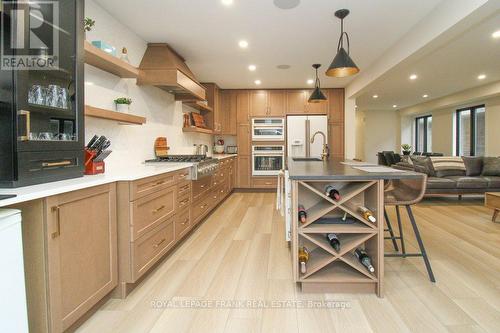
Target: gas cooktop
[
  {"x": 202, "y": 165},
  {"x": 180, "y": 158}
]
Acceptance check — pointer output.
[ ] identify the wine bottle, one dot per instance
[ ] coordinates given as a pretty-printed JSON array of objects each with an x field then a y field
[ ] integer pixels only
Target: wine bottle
[
  {"x": 367, "y": 214},
  {"x": 302, "y": 214},
  {"x": 303, "y": 258},
  {"x": 334, "y": 241},
  {"x": 331, "y": 192},
  {"x": 364, "y": 259}
]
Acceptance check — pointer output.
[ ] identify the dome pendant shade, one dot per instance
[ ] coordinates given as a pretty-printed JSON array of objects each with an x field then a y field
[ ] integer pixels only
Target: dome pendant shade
[
  {"x": 317, "y": 96},
  {"x": 342, "y": 65}
]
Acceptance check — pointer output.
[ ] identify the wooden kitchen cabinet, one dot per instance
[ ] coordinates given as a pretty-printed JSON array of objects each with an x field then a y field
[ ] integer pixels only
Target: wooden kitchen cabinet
[
  {"x": 259, "y": 103},
  {"x": 336, "y": 105},
  {"x": 228, "y": 113},
  {"x": 296, "y": 101},
  {"x": 243, "y": 107},
  {"x": 213, "y": 100},
  {"x": 70, "y": 251},
  {"x": 243, "y": 172},
  {"x": 336, "y": 139},
  {"x": 277, "y": 103},
  {"x": 243, "y": 139}
]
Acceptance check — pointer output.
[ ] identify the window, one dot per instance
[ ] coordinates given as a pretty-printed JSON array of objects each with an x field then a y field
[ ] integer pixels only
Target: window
[
  {"x": 423, "y": 134},
  {"x": 470, "y": 138}
]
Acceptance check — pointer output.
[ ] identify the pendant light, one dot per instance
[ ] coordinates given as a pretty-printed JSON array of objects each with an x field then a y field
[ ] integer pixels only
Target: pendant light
[
  {"x": 342, "y": 65},
  {"x": 317, "y": 95}
]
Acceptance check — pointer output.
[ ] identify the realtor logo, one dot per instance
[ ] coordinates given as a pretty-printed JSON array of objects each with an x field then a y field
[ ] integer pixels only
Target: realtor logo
[{"x": 30, "y": 35}]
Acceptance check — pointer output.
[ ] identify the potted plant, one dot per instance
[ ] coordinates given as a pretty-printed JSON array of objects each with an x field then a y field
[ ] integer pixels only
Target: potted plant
[
  {"x": 123, "y": 104},
  {"x": 406, "y": 149},
  {"x": 88, "y": 24}
]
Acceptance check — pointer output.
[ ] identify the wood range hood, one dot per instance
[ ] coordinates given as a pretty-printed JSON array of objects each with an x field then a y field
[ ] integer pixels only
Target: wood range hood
[{"x": 164, "y": 68}]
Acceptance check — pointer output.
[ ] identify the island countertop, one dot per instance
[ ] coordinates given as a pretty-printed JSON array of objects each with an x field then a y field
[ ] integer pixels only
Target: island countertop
[{"x": 334, "y": 169}]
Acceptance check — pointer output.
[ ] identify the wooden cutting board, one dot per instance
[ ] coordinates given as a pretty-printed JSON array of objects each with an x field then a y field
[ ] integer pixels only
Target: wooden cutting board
[{"x": 161, "y": 146}]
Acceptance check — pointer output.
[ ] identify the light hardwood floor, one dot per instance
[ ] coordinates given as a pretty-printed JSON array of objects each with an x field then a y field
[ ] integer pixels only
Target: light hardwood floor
[{"x": 239, "y": 253}]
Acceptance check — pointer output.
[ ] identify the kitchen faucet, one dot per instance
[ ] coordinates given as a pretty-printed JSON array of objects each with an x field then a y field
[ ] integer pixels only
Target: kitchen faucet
[{"x": 326, "y": 151}]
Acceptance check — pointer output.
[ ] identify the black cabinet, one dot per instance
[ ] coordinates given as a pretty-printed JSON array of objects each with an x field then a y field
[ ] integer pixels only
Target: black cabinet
[{"x": 41, "y": 92}]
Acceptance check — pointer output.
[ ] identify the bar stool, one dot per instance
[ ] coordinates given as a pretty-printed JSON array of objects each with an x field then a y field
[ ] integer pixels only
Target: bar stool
[{"x": 406, "y": 192}]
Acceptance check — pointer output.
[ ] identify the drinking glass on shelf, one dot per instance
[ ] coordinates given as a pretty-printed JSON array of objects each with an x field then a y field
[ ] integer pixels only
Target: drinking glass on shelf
[
  {"x": 33, "y": 136},
  {"x": 62, "y": 98},
  {"x": 46, "y": 136},
  {"x": 52, "y": 96},
  {"x": 36, "y": 94}
]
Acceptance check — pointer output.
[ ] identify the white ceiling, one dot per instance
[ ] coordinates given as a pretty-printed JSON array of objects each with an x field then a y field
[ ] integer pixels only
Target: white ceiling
[
  {"x": 206, "y": 33},
  {"x": 452, "y": 67}
]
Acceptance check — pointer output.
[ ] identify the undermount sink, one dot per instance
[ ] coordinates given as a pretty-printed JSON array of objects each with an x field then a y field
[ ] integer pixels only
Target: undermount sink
[{"x": 302, "y": 159}]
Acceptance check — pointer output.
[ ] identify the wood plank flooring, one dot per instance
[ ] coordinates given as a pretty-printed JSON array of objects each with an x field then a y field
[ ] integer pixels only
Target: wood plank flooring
[{"x": 239, "y": 253}]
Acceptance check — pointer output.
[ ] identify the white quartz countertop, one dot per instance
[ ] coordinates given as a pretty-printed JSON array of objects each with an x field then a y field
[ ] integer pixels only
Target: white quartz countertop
[{"x": 127, "y": 173}]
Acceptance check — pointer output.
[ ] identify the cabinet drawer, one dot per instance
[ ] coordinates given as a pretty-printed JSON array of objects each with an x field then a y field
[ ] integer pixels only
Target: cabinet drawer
[
  {"x": 146, "y": 186},
  {"x": 182, "y": 175},
  {"x": 200, "y": 208},
  {"x": 150, "y": 248},
  {"x": 149, "y": 211},
  {"x": 221, "y": 176},
  {"x": 184, "y": 187},
  {"x": 264, "y": 182},
  {"x": 183, "y": 200},
  {"x": 200, "y": 186},
  {"x": 182, "y": 224}
]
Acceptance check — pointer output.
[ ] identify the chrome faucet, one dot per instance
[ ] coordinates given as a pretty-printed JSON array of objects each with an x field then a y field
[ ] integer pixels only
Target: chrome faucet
[{"x": 326, "y": 151}]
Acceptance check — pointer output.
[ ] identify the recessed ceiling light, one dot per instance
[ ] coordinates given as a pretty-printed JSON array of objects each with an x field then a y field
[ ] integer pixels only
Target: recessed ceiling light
[
  {"x": 496, "y": 34},
  {"x": 252, "y": 68},
  {"x": 413, "y": 77},
  {"x": 481, "y": 77},
  {"x": 227, "y": 2},
  {"x": 425, "y": 96},
  {"x": 394, "y": 106},
  {"x": 243, "y": 44},
  {"x": 310, "y": 81},
  {"x": 258, "y": 82},
  {"x": 375, "y": 96},
  {"x": 355, "y": 106},
  {"x": 89, "y": 83}
]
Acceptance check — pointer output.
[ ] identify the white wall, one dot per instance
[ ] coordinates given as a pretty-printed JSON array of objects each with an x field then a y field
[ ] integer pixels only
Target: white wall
[
  {"x": 380, "y": 131},
  {"x": 132, "y": 144}
]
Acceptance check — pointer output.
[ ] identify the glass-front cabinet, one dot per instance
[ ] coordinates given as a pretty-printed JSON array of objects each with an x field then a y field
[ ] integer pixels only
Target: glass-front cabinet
[{"x": 41, "y": 92}]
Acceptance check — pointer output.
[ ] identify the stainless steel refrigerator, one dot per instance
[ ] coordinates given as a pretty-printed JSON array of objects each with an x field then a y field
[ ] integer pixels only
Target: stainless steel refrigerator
[{"x": 300, "y": 130}]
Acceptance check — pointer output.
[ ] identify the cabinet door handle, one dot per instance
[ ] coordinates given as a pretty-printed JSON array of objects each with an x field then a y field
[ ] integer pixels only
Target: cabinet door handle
[
  {"x": 202, "y": 186},
  {"x": 159, "y": 182},
  {"x": 158, "y": 209},
  {"x": 185, "y": 221},
  {"x": 159, "y": 243},
  {"x": 55, "y": 164},
  {"x": 57, "y": 210},
  {"x": 185, "y": 201}
]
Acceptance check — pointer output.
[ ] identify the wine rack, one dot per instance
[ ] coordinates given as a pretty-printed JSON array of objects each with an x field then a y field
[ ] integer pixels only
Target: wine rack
[{"x": 327, "y": 269}]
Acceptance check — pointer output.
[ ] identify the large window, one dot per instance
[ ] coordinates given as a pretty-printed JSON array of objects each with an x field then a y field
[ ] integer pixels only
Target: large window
[
  {"x": 423, "y": 134},
  {"x": 470, "y": 131}
]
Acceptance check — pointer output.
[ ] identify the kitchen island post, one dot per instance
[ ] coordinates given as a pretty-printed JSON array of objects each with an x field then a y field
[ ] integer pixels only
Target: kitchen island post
[{"x": 332, "y": 270}]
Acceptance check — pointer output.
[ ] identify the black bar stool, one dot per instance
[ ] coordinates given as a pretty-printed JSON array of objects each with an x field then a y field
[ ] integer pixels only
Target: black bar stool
[{"x": 406, "y": 192}]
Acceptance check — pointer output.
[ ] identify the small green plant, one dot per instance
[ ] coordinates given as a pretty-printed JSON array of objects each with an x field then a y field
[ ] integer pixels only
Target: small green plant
[
  {"x": 123, "y": 100},
  {"x": 406, "y": 149},
  {"x": 88, "y": 24}
]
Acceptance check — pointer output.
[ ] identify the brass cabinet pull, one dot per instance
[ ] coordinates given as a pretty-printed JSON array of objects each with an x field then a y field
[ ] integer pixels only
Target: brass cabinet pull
[
  {"x": 57, "y": 210},
  {"x": 185, "y": 221},
  {"x": 55, "y": 164},
  {"x": 27, "y": 117},
  {"x": 159, "y": 243},
  {"x": 183, "y": 202},
  {"x": 159, "y": 182},
  {"x": 158, "y": 209},
  {"x": 269, "y": 183},
  {"x": 202, "y": 186}
]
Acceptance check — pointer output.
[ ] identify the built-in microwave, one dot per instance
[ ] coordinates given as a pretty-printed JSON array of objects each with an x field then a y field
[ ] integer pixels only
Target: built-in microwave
[
  {"x": 267, "y": 160},
  {"x": 268, "y": 129}
]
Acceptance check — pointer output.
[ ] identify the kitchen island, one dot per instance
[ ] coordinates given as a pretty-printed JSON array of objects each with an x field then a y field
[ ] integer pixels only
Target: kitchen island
[{"x": 359, "y": 187}]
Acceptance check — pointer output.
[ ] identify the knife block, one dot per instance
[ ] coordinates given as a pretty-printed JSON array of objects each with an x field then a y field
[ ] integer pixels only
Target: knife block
[{"x": 92, "y": 167}]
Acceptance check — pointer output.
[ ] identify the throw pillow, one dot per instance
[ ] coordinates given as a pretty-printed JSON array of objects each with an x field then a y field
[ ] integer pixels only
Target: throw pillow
[
  {"x": 389, "y": 157},
  {"x": 423, "y": 164},
  {"x": 446, "y": 166},
  {"x": 491, "y": 166},
  {"x": 473, "y": 165}
]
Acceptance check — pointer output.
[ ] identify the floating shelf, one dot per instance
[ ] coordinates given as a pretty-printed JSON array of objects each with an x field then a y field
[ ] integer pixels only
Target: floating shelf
[
  {"x": 193, "y": 129},
  {"x": 111, "y": 64},
  {"x": 199, "y": 106},
  {"x": 122, "y": 118}
]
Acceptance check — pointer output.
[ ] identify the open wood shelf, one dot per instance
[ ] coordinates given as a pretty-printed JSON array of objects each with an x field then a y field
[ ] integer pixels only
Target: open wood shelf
[
  {"x": 200, "y": 106},
  {"x": 194, "y": 129},
  {"x": 122, "y": 118},
  {"x": 109, "y": 63},
  {"x": 338, "y": 272},
  {"x": 354, "y": 228}
]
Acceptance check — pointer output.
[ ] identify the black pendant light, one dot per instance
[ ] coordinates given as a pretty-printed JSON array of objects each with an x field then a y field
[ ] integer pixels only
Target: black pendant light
[
  {"x": 342, "y": 65},
  {"x": 317, "y": 95}
]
